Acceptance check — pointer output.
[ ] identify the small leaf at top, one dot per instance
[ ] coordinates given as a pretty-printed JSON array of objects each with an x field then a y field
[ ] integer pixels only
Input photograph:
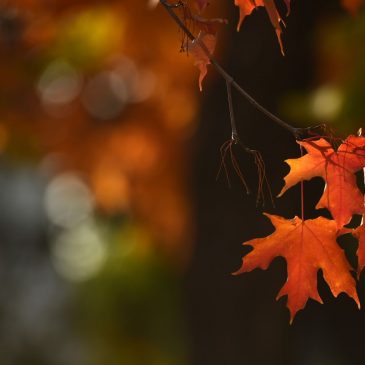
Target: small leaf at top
[
  {"x": 201, "y": 58},
  {"x": 207, "y": 25},
  {"x": 247, "y": 7},
  {"x": 201, "y": 4}
]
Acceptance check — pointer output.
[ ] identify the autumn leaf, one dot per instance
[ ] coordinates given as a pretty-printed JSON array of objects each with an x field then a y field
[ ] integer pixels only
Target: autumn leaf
[
  {"x": 200, "y": 55},
  {"x": 247, "y": 7},
  {"x": 359, "y": 233},
  {"x": 201, "y": 4},
  {"x": 341, "y": 195},
  {"x": 287, "y": 3},
  {"x": 307, "y": 246},
  {"x": 206, "y": 25},
  {"x": 210, "y": 26},
  {"x": 204, "y": 44}
]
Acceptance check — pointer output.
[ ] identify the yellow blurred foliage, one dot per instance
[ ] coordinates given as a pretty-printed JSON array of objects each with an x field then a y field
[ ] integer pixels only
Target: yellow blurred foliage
[{"x": 99, "y": 85}]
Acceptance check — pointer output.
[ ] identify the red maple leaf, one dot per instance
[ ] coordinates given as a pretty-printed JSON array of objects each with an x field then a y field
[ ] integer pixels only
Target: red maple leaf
[
  {"x": 201, "y": 4},
  {"x": 341, "y": 195},
  {"x": 203, "y": 46},
  {"x": 307, "y": 246},
  {"x": 200, "y": 55},
  {"x": 210, "y": 26},
  {"x": 359, "y": 233},
  {"x": 247, "y": 6}
]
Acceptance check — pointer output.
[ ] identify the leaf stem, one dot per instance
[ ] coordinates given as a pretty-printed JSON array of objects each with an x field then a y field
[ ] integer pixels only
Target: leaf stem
[
  {"x": 234, "y": 137},
  {"x": 302, "y": 189}
]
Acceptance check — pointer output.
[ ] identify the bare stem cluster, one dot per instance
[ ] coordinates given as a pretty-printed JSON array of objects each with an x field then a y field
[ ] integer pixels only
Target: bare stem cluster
[{"x": 298, "y": 133}]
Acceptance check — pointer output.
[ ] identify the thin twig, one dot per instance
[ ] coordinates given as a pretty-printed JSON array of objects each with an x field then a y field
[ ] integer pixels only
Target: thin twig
[
  {"x": 223, "y": 167},
  {"x": 302, "y": 189},
  {"x": 237, "y": 168},
  {"x": 235, "y": 137},
  {"x": 296, "y": 132},
  {"x": 235, "y": 140},
  {"x": 227, "y": 150}
]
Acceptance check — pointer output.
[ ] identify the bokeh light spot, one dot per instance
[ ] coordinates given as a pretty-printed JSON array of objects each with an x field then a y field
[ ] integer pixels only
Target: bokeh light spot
[
  {"x": 68, "y": 201},
  {"x": 327, "y": 102},
  {"x": 79, "y": 253},
  {"x": 60, "y": 83}
]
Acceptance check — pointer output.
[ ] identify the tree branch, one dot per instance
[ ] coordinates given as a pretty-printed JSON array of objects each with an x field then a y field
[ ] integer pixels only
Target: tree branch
[
  {"x": 296, "y": 132},
  {"x": 235, "y": 137}
]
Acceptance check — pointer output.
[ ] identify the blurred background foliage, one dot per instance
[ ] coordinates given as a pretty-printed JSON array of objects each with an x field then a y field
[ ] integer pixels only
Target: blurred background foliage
[
  {"x": 97, "y": 226},
  {"x": 96, "y": 112},
  {"x": 336, "y": 95}
]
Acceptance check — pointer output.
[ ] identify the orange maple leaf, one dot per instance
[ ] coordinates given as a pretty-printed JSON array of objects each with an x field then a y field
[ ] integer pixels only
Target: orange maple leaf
[
  {"x": 201, "y": 4},
  {"x": 201, "y": 58},
  {"x": 206, "y": 25},
  {"x": 341, "y": 195},
  {"x": 359, "y": 233},
  {"x": 307, "y": 246},
  {"x": 210, "y": 26},
  {"x": 247, "y": 7}
]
